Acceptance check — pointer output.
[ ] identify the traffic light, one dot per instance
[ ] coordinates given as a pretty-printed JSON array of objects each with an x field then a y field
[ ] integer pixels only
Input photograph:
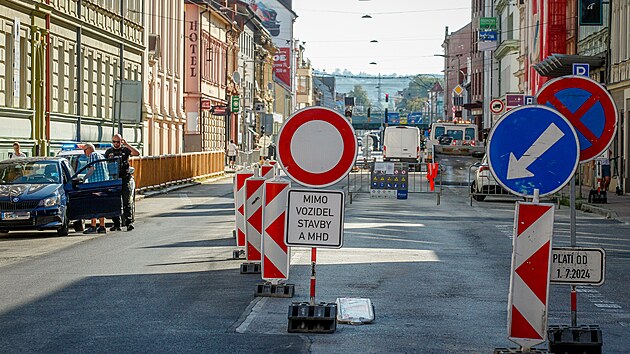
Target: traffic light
[
  {"x": 262, "y": 129},
  {"x": 369, "y": 111},
  {"x": 387, "y": 97}
]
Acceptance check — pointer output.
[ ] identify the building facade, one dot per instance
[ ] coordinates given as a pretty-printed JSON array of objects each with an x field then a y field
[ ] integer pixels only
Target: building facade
[
  {"x": 619, "y": 84},
  {"x": 206, "y": 66},
  {"x": 164, "y": 118},
  {"x": 60, "y": 64}
]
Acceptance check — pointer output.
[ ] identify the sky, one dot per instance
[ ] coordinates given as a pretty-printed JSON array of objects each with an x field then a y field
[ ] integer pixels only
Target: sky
[{"x": 409, "y": 33}]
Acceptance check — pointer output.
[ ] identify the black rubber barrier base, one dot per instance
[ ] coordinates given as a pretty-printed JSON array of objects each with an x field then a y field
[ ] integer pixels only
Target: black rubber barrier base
[
  {"x": 581, "y": 339},
  {"x": 518, "y": 350},
  {"x": 307, "y": 318},
  {"x": 236, "y": 254},
  {"x": 275, "y": 290},
  {"x": 250, "y": 268},
  {"x": 597, "y": 197}
]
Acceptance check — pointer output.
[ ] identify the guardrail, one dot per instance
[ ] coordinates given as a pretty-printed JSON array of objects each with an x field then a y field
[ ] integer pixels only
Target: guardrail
[
  {"x": 161, "y": 171},
  {"x": 359, "y": 180}
]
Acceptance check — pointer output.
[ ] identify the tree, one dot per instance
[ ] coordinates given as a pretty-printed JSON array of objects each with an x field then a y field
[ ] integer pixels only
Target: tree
[
  {"x": 418, "y": 88},
  {"x": 360, "y": 96}
]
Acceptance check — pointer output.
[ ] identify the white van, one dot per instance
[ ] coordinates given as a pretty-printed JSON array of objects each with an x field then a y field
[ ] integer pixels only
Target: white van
[{"x": 401, "y": 143}]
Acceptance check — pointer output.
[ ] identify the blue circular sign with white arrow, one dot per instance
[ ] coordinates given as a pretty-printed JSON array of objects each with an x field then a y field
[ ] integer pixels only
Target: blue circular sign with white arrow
[{"x": 533, "y": 147}]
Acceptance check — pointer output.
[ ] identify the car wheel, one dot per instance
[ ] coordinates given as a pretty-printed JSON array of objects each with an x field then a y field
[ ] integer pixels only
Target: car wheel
[
  {"x": 78, "y": 225},
  {"x": 64, "y": 229}
]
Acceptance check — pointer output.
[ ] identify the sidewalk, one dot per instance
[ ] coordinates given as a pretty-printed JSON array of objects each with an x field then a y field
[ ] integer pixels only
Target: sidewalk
[{"x": 617, "y": 206}]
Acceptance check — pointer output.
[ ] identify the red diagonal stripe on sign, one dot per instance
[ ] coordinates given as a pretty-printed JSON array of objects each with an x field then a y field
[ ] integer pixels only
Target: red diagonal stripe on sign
[
  {"x": 271, "y": 271},
  {"x": 273, "y": 190},
  {"x": 241, "y": 238},
  {"x": 534, "y": 272},
  {"x": 240, "y": 179},
  {"x": 276, "y": 231},
  {"x": 266, "y": 169},
  {"x": 521, "y": 328},
  {"x": 241, "y": 210},
  {"x": 254, "y": 184},
  {"x": 252, "y": 253},
  {"x": 528, "y": 214},
  {"x": 256, "y": 220}
]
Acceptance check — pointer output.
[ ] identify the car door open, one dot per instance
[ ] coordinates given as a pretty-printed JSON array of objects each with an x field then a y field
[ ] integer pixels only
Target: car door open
[{"x": 95, "y": 199}]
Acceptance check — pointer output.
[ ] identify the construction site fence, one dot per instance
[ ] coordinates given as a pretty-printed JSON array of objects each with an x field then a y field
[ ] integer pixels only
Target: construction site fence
[
  {"x": 360, "y": 180},
  {"x": 153, "y": 172},
  {"x": 486, "y": 186}
]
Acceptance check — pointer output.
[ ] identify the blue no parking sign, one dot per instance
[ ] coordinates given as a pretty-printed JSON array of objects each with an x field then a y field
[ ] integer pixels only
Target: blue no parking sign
[{"x": 533, "y": 147}]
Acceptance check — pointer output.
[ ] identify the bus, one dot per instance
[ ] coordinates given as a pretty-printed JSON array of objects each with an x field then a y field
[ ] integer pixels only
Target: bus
[{"x": 455, "y": 139}]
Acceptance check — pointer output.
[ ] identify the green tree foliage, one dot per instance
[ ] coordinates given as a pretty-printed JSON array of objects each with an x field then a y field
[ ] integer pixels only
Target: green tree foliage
[
  {"x": 360, "y": 96},
  {"x": 414, "y": 96}
]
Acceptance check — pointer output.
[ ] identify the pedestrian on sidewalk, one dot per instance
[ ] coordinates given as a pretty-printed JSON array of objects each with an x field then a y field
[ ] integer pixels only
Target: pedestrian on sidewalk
[
  {"x": 232, "y": 151},
  {"x": 96, "y": 173},
  {"x": 123, "y": 150},
  {"x": 16, "y": 151}
]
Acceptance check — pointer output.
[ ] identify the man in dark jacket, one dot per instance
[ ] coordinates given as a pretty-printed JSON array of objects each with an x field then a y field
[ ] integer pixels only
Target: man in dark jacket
[{"x": 123, "y": 150}]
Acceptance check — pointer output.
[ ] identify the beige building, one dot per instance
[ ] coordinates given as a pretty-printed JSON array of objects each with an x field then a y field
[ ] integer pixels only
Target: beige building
[
  {"x": 304, "y": 78},
  {"x": 164, "y": 117},
  {"x": 619, "y": 82},
  {"x": 59, "y": 64}
]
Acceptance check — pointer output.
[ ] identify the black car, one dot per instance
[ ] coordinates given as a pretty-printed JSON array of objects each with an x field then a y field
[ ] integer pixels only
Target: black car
[{"x": 44, "y": 193}]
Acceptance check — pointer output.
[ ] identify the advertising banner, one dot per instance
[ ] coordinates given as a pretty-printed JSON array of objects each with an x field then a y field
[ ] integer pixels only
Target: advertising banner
[{"x": 282, "y": 66}]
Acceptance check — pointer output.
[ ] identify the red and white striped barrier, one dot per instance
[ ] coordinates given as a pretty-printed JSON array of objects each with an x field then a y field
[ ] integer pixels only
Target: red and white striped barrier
[
  {"x": 275, "y": 264},
  {"x": 239, "y": 201},
  {"x": 266, "y": 170},
  {"x": 253, "y": 217},
  {"x": 529, "y": 280}
]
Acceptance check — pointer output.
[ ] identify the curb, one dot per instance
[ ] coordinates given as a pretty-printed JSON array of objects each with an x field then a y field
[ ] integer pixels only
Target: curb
[{"x": 608, "y": 214}]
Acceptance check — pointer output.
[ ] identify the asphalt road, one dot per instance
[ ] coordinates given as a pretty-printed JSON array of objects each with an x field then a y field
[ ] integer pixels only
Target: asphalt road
[{"x": 437, "y": 275}]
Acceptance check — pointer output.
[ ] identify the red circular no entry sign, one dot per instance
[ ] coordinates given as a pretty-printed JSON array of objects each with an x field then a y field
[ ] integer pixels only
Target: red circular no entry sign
[{"x": 316, "y": 147}]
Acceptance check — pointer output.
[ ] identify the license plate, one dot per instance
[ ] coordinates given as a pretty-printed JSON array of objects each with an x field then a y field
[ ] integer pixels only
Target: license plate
[{"x": 15, "y": 215}]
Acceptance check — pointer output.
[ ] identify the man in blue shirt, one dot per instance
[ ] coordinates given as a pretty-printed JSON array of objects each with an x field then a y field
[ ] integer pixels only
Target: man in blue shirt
[{"x": 96, "y": 173}]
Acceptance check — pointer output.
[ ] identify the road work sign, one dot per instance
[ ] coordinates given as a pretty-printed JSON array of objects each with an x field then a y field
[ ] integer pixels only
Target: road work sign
[
  {"x": 574, "y": 266},
  {"x": 315, "y": 218}
]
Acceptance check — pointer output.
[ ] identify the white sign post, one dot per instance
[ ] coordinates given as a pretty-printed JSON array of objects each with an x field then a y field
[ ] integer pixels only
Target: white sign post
[
  {"x": 575, "y": 265},
  {"x": 315, "y": 218}
]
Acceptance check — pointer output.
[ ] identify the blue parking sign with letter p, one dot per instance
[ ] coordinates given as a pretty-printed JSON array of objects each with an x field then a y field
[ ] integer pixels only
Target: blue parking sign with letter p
[{"x": 581, "y": 69}]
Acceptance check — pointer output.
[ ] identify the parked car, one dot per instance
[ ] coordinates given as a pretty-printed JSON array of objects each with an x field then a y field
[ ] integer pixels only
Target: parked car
[
  {"x": 44, "y": 193},
  {"x": 484, "y": 183},
  {"x": 73, "y": 152}
]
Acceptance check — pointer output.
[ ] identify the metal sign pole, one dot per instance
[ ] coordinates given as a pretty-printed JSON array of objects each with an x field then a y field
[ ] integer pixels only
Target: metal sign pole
[
  {"x": 573, "y": 244},
  {"x": 313, "y": 280}
]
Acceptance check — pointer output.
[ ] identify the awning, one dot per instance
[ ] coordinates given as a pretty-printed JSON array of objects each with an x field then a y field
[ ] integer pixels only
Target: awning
[
  {"x": 473, "y": 105},
  {"x": 557, "y": 65}
]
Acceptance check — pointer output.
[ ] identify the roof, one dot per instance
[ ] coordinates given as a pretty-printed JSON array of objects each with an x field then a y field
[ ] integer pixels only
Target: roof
[
  {"x": 557, "y": 65},
  {"x": 32, "y": 159}
]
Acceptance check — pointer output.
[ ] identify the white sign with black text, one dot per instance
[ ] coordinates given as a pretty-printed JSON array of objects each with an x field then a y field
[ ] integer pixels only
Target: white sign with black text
[
  {"x": 315, "y": 218},
  {"x": 577, "y": 265}
]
